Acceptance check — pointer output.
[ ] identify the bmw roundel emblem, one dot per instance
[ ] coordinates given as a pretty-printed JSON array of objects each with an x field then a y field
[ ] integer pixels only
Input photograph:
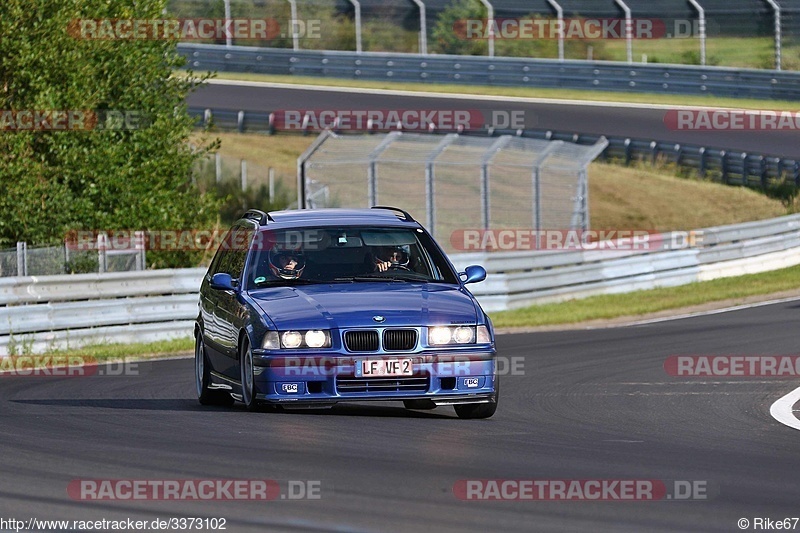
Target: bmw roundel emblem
[{"x": 378, "y": 318}]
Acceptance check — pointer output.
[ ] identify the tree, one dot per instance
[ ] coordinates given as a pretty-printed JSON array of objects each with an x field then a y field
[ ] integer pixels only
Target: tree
[{"x": 132, "y": 177}]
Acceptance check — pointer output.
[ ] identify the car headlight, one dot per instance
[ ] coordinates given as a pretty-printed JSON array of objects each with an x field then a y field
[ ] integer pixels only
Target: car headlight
[
  {"x": 439, "y": 335},
  {"x": 443, "y": 335},
  {"x": 314, "y": 338},
  {"x": 291, "y": 339}
]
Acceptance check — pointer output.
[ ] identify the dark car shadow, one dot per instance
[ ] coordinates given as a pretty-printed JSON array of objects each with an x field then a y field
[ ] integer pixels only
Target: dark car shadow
[
  {"x": 367, "y": 411},
  {"x": 191, "y": 405},
  {"x": 127, "y": 404}
]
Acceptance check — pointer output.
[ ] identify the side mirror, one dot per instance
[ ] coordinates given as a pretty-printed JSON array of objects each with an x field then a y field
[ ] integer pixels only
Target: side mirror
[
  {"x": 474, "y": 274},
  {"x": 222, "y": 282}
]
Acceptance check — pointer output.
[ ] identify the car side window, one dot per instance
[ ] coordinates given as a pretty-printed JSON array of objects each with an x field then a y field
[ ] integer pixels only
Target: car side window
[
  {"x": 213, "y": 268},
  {"x": 238, "y": 245}
]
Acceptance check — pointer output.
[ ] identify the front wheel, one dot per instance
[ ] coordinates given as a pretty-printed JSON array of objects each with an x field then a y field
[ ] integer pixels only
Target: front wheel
[
  {"x": 202, "y": 378},
  {"x": 480, "y": 410},
  {"x": 248, "y": 379}
]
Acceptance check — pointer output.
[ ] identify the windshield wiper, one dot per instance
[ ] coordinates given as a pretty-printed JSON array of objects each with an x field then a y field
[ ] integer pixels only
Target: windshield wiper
[
  {"x": 287, "y": 282},
  {"x": 380, "y": 278}
]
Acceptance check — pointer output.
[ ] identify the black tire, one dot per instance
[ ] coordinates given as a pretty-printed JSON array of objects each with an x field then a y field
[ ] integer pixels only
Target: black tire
[
  {"x": 480, "y": 410},
  {"x": 247, "y": 377},
  {"x": 419, "y": 405},
  {"x": 202, "y": 378}
]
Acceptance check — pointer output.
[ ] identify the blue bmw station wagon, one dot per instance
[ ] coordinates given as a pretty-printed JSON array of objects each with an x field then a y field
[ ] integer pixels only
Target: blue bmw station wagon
[{"x": 310, "y": 308}]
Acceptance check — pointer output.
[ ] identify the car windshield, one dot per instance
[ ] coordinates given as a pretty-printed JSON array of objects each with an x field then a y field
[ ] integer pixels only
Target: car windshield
[{"x": 347, "y": 254}]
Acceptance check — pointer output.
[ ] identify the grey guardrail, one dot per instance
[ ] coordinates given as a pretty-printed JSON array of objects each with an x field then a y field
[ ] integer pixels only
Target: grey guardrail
[
  {"x": 41, "y": 313},
  {"x": 503, "y": 71},
  {"x": 733, "y": 167}
]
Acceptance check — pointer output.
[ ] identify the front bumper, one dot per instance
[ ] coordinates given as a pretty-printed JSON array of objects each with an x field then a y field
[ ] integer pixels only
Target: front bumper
[{"x": 315, "y": 379}]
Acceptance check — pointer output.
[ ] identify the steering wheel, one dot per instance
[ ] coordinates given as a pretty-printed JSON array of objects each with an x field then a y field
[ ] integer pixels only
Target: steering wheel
[{"x": 399, "y": 267}]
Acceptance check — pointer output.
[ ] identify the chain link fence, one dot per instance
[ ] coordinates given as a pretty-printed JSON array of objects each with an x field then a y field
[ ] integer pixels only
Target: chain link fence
[
  {"x": 73, "y": 258},
  {"x": 459, "y": 182},
  {"x": 708, "y": 32}
]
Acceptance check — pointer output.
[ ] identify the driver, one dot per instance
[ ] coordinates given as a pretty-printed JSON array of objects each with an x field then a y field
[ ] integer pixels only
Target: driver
[
  {"x": 287, "y": 264},
  {"x": 394, "y": 257}
]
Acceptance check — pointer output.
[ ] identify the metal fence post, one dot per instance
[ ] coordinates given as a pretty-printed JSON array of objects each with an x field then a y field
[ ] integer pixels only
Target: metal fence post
[
  {"x": 628, "y": 29},
  {"x": 560, "y": 21},
  {"x": 139, "y": 242},
  {"x": 536, "y": 187},
  {"x": 22, "y": 259},
  {"x": 228, "y": 37},
  {"x": 66, "y": 257},
  {"x": 777, "y": 9},
  {"x": 497, "y": 146},
  {"x": 295, "y": 36},
  {"x": 271, "y": 184},
  {"x": 490, "y": 19},
  {"x": 301, "y": 168},
  {"x": 357, "y": 7},
  {"x": 372, "y": 168},
  {"x": 102, "y": 258},
  {"x": 243, "y": 174},
  {"x": 423, "y": 28},
  {"x": 430, "y": 185},
  {"x": 701, "y": 13},
  {"x": 218, "y": 167}
]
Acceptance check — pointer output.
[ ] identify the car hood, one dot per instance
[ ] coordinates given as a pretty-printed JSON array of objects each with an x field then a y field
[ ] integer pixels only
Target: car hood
[{"x": 345, "y": 305}]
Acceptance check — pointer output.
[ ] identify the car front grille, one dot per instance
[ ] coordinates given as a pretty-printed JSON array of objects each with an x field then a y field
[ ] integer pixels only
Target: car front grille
[
  {"x": 361, "y": 341},
  {"x": 395, "y": 340},
  {"x": 347, "y": 384}
]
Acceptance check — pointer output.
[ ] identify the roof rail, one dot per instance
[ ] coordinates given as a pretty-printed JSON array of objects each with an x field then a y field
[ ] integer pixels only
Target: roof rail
[
  {"x": 259, "y": 216},
  {"x": 405, "y": 216}
]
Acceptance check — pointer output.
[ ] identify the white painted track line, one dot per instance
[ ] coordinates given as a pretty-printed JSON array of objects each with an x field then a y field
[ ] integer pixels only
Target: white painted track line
[
  {"x": 782, "y": 409},
  {"x": 456, "y": 96}
]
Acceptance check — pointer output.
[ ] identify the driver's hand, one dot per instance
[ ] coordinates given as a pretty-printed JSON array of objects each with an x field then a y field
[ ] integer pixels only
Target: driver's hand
[{"x": 383, "y": 266}]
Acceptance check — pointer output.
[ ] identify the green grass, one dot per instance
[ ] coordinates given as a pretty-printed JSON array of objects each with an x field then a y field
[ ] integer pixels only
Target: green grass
[
  {"x": 524, "y": 92},
  {"x": 737, "y": 52},
  {"x": 650, "y": 301},
  {"x": 109, "y": 352}
]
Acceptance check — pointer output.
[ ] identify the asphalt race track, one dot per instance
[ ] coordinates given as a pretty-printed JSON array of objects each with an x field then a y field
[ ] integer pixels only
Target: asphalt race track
[
  {"x": 639, "y": 121},
  {"x": 590, "y": 404}
]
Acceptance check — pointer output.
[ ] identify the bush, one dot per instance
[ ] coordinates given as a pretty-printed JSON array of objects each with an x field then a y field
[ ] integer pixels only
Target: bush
[{"x": 54, "y": 182}]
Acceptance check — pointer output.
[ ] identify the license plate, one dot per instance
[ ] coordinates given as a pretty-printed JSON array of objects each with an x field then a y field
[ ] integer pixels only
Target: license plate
[{"x": 367, "y": 368}]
